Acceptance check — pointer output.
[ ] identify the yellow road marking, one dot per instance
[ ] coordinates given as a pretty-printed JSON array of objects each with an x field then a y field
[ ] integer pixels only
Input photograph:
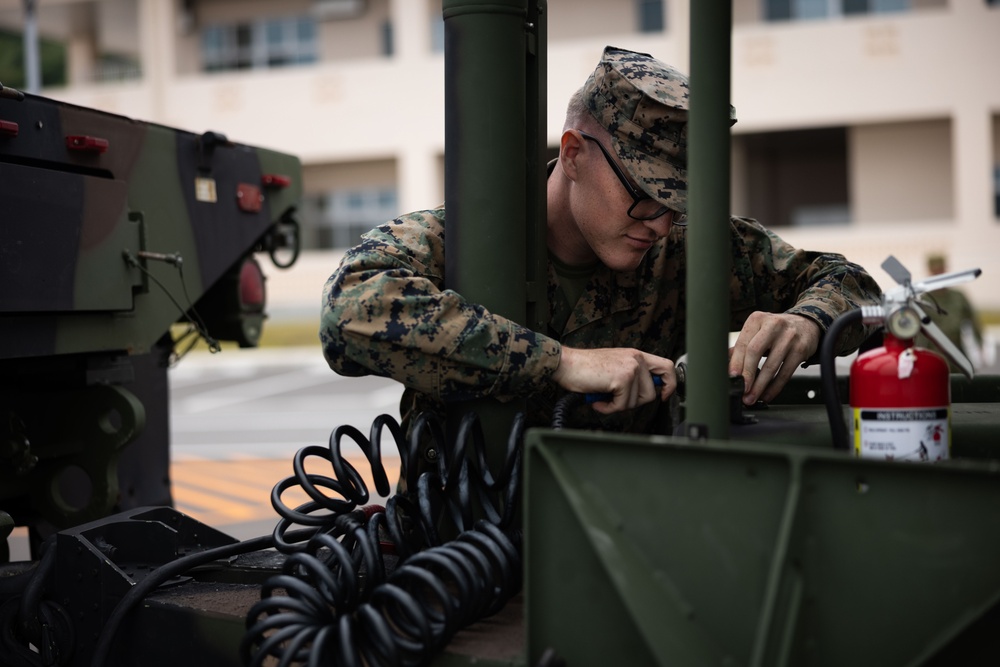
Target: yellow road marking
[{"x": 219, "y": 492}]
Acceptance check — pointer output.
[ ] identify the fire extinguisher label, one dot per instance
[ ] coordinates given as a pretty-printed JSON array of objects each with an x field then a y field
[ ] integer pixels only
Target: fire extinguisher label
[{"x": 913, "y": 434}]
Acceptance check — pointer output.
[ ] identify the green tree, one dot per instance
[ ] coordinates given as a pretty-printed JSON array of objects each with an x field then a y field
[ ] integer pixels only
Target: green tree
[{"x": 52, "y": 55}]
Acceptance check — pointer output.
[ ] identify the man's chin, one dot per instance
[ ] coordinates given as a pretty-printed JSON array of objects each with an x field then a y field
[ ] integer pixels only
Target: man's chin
[{"x": 623, "y": 262}]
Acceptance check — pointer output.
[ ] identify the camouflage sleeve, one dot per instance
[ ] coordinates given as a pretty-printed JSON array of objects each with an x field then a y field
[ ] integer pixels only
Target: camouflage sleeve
[
  {"x": 969, "y": 315},
  {"x": 820, "y": 286},
  {"x": 385, "y": 311}
]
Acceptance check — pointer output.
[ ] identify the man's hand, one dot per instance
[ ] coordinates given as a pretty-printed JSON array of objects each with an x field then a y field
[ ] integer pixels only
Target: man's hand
[
  {"x": 786, "y": 340},
  {"x": 625, "y": 373}
]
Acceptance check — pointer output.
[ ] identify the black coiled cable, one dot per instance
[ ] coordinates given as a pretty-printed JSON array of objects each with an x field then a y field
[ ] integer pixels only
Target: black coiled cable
[
  {"x": 563, "y": 407},
  {"x": 337, "y": 605}
]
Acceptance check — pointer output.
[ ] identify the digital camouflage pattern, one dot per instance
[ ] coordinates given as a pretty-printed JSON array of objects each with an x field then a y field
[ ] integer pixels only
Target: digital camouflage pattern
[
  {"x": 386, "y": 311},
  {"x": 643, "y": 104},
  {"x": 953, "y": 313}
]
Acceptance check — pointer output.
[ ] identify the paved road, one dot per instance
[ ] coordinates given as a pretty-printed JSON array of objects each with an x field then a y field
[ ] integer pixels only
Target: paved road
[
  {"x": 239, "y": 417},
  {"x": 267, "y": 402}
]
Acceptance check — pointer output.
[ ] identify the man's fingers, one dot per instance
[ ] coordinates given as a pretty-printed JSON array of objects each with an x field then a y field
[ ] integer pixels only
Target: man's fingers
[
  {"x": 750, "y": 347},
  {"x": 784, "y": 341},
  {"x": 624, "y": 378},
  {"x": 768, "y": 371},
  {"x": 663, "y": 376},
  {"x": 779, "y": 381}
]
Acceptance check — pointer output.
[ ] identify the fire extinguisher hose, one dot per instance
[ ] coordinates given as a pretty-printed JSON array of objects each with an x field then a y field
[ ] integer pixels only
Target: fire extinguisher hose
[{"x": 828, "y": 377}]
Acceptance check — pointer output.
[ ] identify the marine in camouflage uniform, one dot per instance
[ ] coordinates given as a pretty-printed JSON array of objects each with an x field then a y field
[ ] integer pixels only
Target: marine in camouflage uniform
[
  {"x": 386, "y": 310},
  {"x": 953, "y": 313}
]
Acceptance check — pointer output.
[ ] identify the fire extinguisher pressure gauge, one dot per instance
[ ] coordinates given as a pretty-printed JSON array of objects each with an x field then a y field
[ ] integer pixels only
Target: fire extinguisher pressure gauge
[{"x": 903, "y": 323}]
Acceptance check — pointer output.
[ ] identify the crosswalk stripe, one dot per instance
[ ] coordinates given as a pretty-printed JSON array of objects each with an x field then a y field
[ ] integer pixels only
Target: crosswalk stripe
[
  {"x": 232, "y": 491},
  {"x": 211, "y": 508}
]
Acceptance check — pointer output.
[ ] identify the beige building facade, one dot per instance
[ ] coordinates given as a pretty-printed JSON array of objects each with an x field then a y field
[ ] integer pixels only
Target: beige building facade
[{"x": 866, "y": 127}]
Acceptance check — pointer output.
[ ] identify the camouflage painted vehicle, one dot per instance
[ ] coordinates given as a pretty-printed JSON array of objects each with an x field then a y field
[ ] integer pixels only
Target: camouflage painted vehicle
[{"x": 113, "y": 231}]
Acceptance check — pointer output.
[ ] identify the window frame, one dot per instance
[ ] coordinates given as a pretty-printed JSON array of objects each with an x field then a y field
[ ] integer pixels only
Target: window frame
[{"x": 228, "y": 47}]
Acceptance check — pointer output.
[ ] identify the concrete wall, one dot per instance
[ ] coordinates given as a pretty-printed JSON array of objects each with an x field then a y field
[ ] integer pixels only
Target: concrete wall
[
  {"x": 901, "y": 172},
  {"x": 361, "y": 37},
  {"x": 586, "y": 19},
  {"x": 325, "y": 177}
]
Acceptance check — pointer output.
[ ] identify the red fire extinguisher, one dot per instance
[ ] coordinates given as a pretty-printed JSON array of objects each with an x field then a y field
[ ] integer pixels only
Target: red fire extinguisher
[
  {"x": 901, "y": 402},
  {"x": 901, "y": 394}
]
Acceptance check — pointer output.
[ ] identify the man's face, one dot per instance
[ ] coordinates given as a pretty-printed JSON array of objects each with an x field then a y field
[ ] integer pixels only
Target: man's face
[{"x": 601, "y": 213}]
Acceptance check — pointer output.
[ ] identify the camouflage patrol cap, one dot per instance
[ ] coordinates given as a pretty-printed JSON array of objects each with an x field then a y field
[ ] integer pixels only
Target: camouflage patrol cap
[
  {"x": 643, "y": 104},
  {"x": 936, "y": 263}
]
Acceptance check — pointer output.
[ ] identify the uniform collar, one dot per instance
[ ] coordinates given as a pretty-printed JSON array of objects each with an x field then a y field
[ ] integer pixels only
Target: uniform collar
[{"x": 607, "y": 292}]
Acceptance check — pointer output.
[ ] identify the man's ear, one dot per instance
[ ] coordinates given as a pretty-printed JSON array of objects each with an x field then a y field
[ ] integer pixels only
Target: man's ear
[{"x": 570, "y": 147}]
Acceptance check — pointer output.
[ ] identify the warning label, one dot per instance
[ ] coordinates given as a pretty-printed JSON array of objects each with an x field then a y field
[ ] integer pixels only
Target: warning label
[{"x": 922, "y": 434}]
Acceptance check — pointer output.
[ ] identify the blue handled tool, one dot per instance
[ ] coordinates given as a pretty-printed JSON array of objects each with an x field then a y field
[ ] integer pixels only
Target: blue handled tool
[{"x": 595, "y": 397}]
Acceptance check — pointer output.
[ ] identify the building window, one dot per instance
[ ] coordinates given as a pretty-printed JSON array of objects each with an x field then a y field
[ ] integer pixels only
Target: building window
[
  {"x": 875, "y": 6},
  {"x": 342, "y": 216},
  {"x": 996, "y": 190},
  {"x": 650, "y": 13},
  {"x": 114, "y": 67},
  {"x": 811, "y": 9},
  {"x": 804, "y": 10},
  {"x": 797, "y": 177},
  {"x": 387, "y": 45},
  {"x": 437, "y": 33},
  {"x": 275, "y": 42}
]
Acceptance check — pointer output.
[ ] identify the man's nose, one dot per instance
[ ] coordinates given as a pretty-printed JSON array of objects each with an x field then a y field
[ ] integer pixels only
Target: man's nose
[{"x": 661, "y": 225}]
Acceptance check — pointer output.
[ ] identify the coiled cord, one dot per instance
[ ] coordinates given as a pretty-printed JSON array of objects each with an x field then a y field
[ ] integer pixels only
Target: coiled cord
[
  {"x": 339, "y": 600},
  {"x": 338, "y": 605},
  {"x": 563, "y": 407}
]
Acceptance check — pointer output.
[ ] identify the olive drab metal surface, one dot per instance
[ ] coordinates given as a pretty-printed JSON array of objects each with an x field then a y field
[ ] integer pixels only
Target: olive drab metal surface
[
  {"x": 657, "y": 551},
  {"x": 94, "y": 202},
  {"x": 111, "y": 231}
]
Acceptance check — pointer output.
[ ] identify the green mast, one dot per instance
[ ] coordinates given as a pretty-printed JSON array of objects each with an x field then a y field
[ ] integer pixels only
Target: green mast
[
  {"x": 708, "y": 260},
  {"x": 495, "y": 172}
]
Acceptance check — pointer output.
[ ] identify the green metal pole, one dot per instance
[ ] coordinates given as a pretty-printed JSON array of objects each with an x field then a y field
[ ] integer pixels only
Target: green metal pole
[
  {"x": 708, "y": 259},
  {"x": 485, "y": 156},
  {"x": 493, "y": 174},
  {"x": 537, "y": 317}
]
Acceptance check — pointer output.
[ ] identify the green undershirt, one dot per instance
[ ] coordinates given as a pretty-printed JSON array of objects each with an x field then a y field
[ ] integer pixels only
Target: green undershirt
[{"x": 572, "y": 282}]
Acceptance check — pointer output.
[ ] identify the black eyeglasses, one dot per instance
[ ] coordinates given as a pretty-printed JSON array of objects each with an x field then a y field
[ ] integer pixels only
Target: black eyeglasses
[{"x": 643, "y": 206}]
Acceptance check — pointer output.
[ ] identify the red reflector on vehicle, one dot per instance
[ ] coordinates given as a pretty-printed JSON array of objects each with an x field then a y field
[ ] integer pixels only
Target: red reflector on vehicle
[
  {"x": 8, "y": 128},
  {"x": 252, "y": 285},
  {"x": 81, "y": 142},
  {"x": 275, "y": 181},
  {"x": 249, "y": 198}
]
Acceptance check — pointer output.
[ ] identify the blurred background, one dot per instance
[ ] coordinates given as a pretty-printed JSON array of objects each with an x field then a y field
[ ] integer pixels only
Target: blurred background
[{"x": 866, "y": 127}]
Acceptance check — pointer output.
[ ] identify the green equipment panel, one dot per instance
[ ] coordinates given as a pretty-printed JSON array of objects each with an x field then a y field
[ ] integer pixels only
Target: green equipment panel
[{"x": 664, "y": 551}]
